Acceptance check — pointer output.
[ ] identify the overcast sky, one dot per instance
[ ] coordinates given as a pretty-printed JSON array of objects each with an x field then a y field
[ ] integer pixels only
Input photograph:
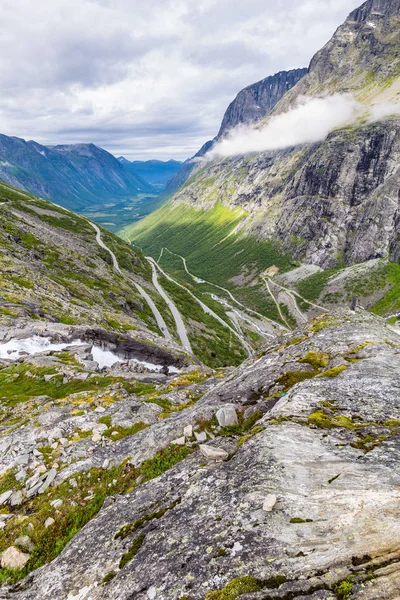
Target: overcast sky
[{"x": 146, "y": 78}]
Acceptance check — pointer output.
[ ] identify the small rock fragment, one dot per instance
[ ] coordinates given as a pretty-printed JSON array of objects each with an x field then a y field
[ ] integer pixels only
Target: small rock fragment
[
  {"x": 226, "y": 416},
  {"x": 13, "y": 558},
  {"x": 22, "y": 460},
  {"x": 179, "y": 441},
  {"x": 106, "y": 464},
  {"x": 212, "y": 453},
  {"x": 16, "y": 499},
  {"x": 5, "y": 496},
  {"x": 96, "y": 437},
  {"x": 21, "y": 475},
  {"x": 49, "y": 522},
  {"x": 25, "y": 543},
  {"x": 200, "y": 437},
  {"x": 56, "y": 503},
  {"x": 188, "y": 431},
  {"x": 269, "y": 502}
]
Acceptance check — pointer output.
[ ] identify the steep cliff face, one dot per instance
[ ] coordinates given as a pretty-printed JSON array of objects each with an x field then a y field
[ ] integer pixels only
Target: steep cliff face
[
  {"x": 255, "y": 101},
  {"x": 330, "y": 203},
  {"x": 363, "y": 57}
]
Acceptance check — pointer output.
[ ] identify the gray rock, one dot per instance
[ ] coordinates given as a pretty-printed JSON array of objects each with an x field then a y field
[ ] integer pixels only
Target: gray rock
[
  {"x": 213, "y": 453},
  {"x": 56, "y": 503},
  {"x": 179, "y": 441},
  {"x": 21, "y": 476},
  {"x": 49, "y": 478},
  {"x": 188, "y": 431},
  {"x": 34, "y": 489},
  {"x": 49, "y": 522},
  {"x": 13, "y": 559},
  {"x": 201, "y": 436},
  {"x": 32, "y": 480},
  {"x": 25, "y": 543},
  {"x": 5, "y": 496},
  {"x": 16, "y": 499},
  {"x": 227, "y": 416},
  {"x": 269, "y": 502},
  {"x": 23, "y": 459}
]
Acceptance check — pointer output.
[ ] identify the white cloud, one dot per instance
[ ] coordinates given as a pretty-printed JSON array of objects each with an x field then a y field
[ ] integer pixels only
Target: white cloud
[
  {"x": 311, "y": 120},
  {"x": 112, "y": 71},
  {"x": 386, "y": 109}
]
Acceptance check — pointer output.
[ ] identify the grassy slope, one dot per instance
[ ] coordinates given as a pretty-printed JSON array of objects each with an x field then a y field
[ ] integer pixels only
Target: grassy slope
[
  {"x": 212, "y": 251},
  {"x": 383, "y": 280},
  {"x": 52, "y": 268}
]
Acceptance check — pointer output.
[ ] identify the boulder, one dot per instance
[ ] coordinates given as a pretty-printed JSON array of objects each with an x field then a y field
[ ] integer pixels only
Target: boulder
[
  {"x": 14, "y": 559},
  {"x": 226, "y": 416},
  {"x": 5, "y": 496},
  {"x": 212, "y": 453}
]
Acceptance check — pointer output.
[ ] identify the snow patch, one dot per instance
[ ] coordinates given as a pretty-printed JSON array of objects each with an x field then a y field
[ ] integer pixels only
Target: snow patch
[
  {"x": 14, "y": 349},
  {"x": 34, "y": 345}
]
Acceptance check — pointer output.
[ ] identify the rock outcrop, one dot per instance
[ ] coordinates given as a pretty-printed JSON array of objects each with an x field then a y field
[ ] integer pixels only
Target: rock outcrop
[{"x": 303, "y": 502}]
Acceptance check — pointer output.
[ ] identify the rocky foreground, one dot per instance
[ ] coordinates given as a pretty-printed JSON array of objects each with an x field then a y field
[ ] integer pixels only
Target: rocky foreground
[{"x": 278, "y": 480}]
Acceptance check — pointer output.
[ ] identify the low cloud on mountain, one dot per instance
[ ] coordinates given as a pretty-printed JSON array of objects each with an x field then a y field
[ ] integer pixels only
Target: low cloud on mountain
[{"x": 311, "y": 120}]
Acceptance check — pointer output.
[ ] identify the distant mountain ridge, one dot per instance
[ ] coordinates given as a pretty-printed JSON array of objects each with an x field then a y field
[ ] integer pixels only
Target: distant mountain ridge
[
  {"x": 156, "y": 172},
  {"x": 77, "y": 176}
]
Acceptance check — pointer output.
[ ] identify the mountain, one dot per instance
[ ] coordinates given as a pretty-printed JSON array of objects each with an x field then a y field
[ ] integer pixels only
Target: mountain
[
  {"x": 156, "y": 172},
  {"x": 332, "y": 204},
  {"x": 257, "y": 100},
  {"x": 77, "y": 176},
  {"x": 249, "y": 106},
  {"x": 208, "y": 420}
]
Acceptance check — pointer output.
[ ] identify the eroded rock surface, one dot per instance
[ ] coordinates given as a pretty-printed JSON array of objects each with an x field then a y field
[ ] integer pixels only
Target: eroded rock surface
[{"x": 305, "y": 505}]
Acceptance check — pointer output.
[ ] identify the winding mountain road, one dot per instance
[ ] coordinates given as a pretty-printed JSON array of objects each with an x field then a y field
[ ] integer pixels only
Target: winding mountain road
[
  {"x": 205, "y": 308},
  {"x": 274, "y": 324},
  {"x": 157, "y": 315},
  {"x": 180, "y": 326}
]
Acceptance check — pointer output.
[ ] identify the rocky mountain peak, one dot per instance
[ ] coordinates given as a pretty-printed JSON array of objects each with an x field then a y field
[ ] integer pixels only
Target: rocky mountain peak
[
  {"x": 256, "y": 100},
  {"x": 376, "y": 8}
]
